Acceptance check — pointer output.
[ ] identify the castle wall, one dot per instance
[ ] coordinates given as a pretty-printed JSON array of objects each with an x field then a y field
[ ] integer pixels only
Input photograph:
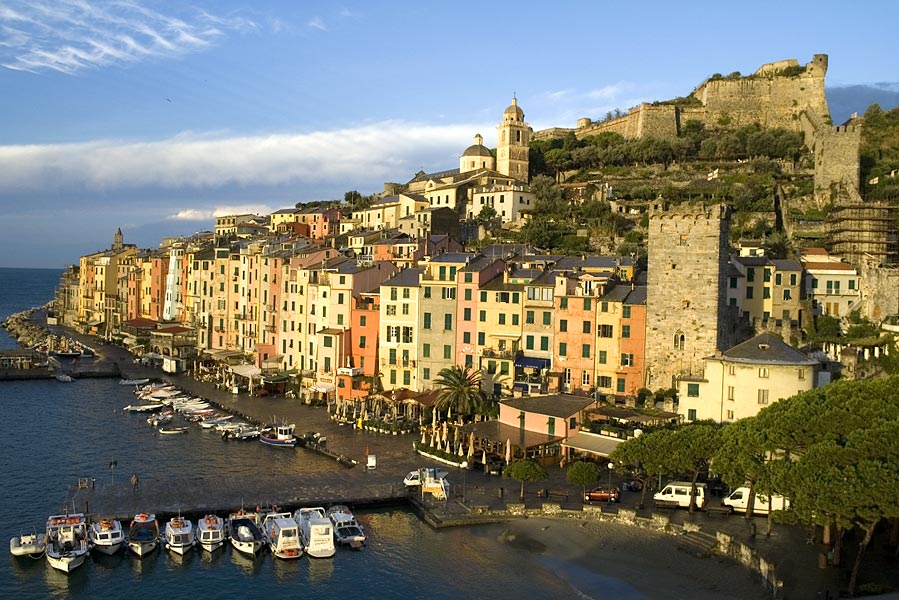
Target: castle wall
[
  {"x": 880, "y": 290},
  {"x": 686, "y": 292}
]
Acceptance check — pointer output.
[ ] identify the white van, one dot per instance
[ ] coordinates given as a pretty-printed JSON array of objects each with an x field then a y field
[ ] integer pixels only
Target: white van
[
  {"x": 678, "y": 493},
  {"x": 738, "y": 501},
  {"x": 415, "y": 478}
]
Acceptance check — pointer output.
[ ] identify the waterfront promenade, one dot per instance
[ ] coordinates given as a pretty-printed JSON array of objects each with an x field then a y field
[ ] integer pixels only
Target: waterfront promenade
[{"x": 475, "y": 496}]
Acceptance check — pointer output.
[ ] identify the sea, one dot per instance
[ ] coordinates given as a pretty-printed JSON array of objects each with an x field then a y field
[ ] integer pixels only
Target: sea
[{"x": 52, "y": 433}]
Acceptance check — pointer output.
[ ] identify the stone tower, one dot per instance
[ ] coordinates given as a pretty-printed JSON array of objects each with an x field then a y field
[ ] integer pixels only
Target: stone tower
[
  {"x": 512, "y": 139},
  {"x": 118, "y": 241},
  {"x": 686, "y": 305}
]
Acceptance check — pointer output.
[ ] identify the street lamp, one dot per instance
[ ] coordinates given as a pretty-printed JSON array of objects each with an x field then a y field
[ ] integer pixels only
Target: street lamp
[
  {"x": 611, "y": 468},
  {"x": 464, "y": 466}
]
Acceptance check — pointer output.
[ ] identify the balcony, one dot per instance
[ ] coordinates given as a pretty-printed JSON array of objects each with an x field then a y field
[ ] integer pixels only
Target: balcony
[
  {"x": 351, "y": 371},
  {"x": 507, "y": 354}
]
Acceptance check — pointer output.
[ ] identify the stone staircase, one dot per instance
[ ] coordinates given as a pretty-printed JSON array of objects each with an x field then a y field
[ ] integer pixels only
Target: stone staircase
[{"x": 697, "y": 543}]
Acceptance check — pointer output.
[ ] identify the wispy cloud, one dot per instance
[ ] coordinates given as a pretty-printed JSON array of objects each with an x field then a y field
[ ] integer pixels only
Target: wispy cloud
[
  {"x": 69, "y": 36},
  {"x": 317, "y": 23},
  {"x": 194, "y": 214},
  {"x": 364, "y": 156}
]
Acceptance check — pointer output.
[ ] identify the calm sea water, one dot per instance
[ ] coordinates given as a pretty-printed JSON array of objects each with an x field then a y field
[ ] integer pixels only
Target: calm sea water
[{"x": 51, "y": 433}]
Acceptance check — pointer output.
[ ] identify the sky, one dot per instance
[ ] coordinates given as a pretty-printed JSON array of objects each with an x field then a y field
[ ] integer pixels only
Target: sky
[{"x": 156, "y": 116}]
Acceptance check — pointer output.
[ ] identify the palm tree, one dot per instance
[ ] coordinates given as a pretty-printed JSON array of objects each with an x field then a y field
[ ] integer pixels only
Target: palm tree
[{"x": 460, "y": 390}]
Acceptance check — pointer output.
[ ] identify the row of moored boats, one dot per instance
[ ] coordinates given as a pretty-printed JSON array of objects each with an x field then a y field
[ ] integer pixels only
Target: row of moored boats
[
  {"x": 164, "y": 402},
  {"x": 312, "y": 531}
]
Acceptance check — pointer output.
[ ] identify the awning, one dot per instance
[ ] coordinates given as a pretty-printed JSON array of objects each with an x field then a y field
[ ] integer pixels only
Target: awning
[
  {"x": 247, "y": 371},
  {"x": 532, "y": 362},
  {"x": 593, "y": 443},
  {"x": 323, "y": 388},
  {"x": 95, "y": 323},
  {"x": 520, "y": 386}
]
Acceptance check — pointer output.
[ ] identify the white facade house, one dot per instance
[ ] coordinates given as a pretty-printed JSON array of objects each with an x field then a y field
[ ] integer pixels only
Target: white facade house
[
  {"x": 745, "y": 379},
  {"x": 832, "y": 284}
]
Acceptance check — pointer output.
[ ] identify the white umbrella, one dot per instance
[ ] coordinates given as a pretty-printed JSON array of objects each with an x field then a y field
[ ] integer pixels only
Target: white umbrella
[
  {"x": 423, "y": 434},
  {"x": 508, "y": 451},
  {"x": 434, "y": 419},
  {"x": 461, "y": 453},
  {"x": 484, "y": 460},
  {"x": 470, "y": 446}
]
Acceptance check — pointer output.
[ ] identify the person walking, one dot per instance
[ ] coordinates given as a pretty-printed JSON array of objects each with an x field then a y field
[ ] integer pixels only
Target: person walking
[{"x": 134, "y": 483}]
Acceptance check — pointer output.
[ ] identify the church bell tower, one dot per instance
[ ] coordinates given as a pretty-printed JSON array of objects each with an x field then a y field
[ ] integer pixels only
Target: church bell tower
[{"x": 512, "y": 139}]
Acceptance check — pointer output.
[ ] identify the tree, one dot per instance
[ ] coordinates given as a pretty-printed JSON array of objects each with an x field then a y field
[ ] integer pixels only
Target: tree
[
  {"x": 742, "y": 459},
  {"x": 644, "y": 457},
  {"x": 691, "y": 451},
  {"x": 459, "y": 391},
  {"x": 583, "y": 474},
  {"x": 525, "y": 470}
]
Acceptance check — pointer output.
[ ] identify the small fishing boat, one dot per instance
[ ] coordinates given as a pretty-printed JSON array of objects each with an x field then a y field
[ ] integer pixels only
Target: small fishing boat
[
  {"x": 245, "y": 533},
  {"x": 143, "y": 535},
  {"x": 316, "y": 532},
  {"x": 172, "y": 430},
  {"x": 282, "y": 533},
  {"x": 211, "y": 532},
  {"x": 279, "y": 435},
  {"x": 347, "y": 531},
  {"x": 179, "y": 535},
  {"x": 64, "y": 377},
  {"x": 27, "y": 544},
  {"x": 134, "y": 381},
  {"x": 66, "y": 539},
  {"x": 144, "y": 407},
  {"x": 107, "y": 536},
  {"x": 160, "y": 419}
]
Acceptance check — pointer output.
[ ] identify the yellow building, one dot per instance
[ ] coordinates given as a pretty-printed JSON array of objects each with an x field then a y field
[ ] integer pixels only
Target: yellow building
[{"x": 401, "y": 308}]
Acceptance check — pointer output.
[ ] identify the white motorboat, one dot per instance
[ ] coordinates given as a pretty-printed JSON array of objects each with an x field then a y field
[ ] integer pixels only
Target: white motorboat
[
  {"x": 64, "y": 377},
  {"x": 316, "y": 532},
  {"x": 279, "y": 435},
  {"x": 179, "y": 535},
  {"x": 144, "y": 407},
  {"x": 66, "y": 538},
  {"x": 283, "y": 535},
  {"x": 211, "y": 532},
  {"x": 134, "y": 381},
  {"x": 143, "y": 535},
  {"x": 28, "y": 544},
  {"x": 107, "y": 536},
  {"x": 172, "y": 430},
  {"x": 347, "y": 531},
  {"x": 161, "y": 418},
  {"x": 244, "y": 532}
]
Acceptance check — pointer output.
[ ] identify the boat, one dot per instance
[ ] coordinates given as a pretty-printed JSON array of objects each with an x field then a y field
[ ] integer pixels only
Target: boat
[
  {"x": 172, "y": 430},
  {"x": 143, "y": 535},
  {"x": 134, "y": 381},
  {"x": 67, "y": 544},
  {"x": 28, "y": 544},
  {"x": 179, "y": 535},
  {"x": 244, "y": 532},
  {"x": 211, "y": 532},
  {"x": 278, "y": 435},
  {"x": 144, "y": 407},
  {"x": 64, "y": 377},
  {"x": 316, "y": 532},
  {"x": 347, "y": 531},
  {"x": 282, "y": 533},
  {"x": 160, "y": 419},
  {"x": 243, "y": 431},
  {"x": 106, "y": 536}
]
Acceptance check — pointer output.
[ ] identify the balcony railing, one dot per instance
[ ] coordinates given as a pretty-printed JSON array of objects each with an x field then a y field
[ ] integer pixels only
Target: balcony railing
[{"x": 492, "y": 353}]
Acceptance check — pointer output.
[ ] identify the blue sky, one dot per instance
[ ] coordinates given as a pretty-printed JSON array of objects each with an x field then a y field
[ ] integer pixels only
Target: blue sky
[{"x": 155, "y": 116}]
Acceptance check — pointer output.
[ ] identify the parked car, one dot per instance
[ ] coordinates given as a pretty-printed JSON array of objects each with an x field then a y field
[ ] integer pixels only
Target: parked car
[
  {"x": 414, "y": 478},
  {"x": 603, "y": 493}
]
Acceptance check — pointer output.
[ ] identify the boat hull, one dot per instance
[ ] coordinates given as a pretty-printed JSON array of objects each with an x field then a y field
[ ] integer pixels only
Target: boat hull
[
  {"x": 67, "y": 562},
  {"x": 108, "y": 549},
  {"x": 212, "y": 546},
  {"x": 27, "y": 545},
  {"x": 278, "y": 443},
  {"x": 248, "y": 548},
  {"x": 179, "y": 548},
  {"x": 143, "y": 548}
]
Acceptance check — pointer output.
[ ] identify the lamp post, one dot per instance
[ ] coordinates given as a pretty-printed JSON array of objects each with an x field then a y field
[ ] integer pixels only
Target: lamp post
[
  {"x": 611, "y": 468},
  {"x": 464, "y": 466}
]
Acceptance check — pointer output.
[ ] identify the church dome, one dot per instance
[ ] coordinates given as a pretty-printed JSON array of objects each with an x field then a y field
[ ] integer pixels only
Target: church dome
[
  {"x": 513, "y": 110},
  {"x": 478, "y": 148}
]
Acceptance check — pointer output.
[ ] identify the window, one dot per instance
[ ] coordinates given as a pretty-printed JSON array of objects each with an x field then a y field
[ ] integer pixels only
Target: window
[
  {"x": 763, "y": 372},
  {"x": 449, "y": 293},
  {"x": 468, "y": 278},
  {"x": 362, "y": 320},
  {"x": 529, "y": 317},
  {"x": 767, "y": 275},
  {"x": 469, "y": 361},
  {"x": 327, "y": 341},
  {"x": 763, "y": 396},
  {"x": 567, "y": 375},
  {"x": 749, "y": 292},
  {"x": 393, "y": 333},
  {"x": 407, "y": 335},
  {"x": 529, "y": 342},
  {"x": 682, "y": 241},
  {"x": 625, "y": 312},
  {"x": 491, "y": 367},
  {"x": 393, "y": 293},
  {"x": 563, "y": 303},
  {"x": 501, "y": 319},
  {"x": 605, "y": 331},
  {"x": 563, "y": 349},
  {"x": 588, "y": 327},
  {"x": 733, "y": 283},
  {"x": 466, "y": 337},
  {"x": 515, "y": 319},
  {"x": 427, "y": 291},
  {"x": 750, "y": 274},
  {"x": 693, "y": 390},
  {"x": 585, "y": 351},
  {"x": 468, "y": 294},
  {"x": 587, "y": 303},
  {"x": 405, "y": 308},
  {"x": 680, "y": 341},
  {"x": 466, "y": 314},
  {"x": 481, "y": 338},
  {"x": 793, "y": 279},
  {"x": 730, "y": 415},
  {"x": 625, "y": 331},
  {"x": 547, "y": 318},
  {"x": 603, "y": 381},
  {"x": 406, "y": 293},
  {"x": 426, "y": 373},
  {"x": 427, "y": 320},
  {"x": 391, "y": 310},
  {"x": 778, "y": 279},
  {"x": 691, "y": 414},
  {"x": 483, "y": 296},
  {"x": 620, "y": 385},
  {"x": 563, "y": 325},
  {"x": 426, "y": 350},
  {"x": 392, "y": 376},
  {"x": 604, "y": 307},
  {"x": 585, "y": 379},
  {"x": 504, "y": 368},
  {"x": 392, "y": 359},
  {"x": 447, "y": 352},
  {"x": 766, "y": 292},
  {"x": 544, "y": 343},
  {"x": 447, "y": 322},
  {"x": 482, "y": 316},
  {"x": 362, "y": 341},
  {"x": 730, "y": 392},
  {"x": 801, "y": 374},
  {"x": 603, "y": 356},
  {"x": 731, "y": 370},
  {"x": 627, "y": 360}
]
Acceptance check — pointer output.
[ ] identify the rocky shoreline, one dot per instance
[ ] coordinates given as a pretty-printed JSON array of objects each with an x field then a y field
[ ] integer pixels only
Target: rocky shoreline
[{"x": 22, "y": 328}]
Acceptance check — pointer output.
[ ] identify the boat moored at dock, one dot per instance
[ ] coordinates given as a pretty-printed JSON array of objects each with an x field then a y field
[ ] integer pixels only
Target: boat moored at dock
[
  {"x": 347, "y": 531},
  {"x": 179, "y": 535},
  {"x": 244, "y": 532},
  {"x": 107, "y": 536},
  {"x": 283, "y": 535},
  {"x": 66, "y": 538},
  {"x": 316, "y": 532},
  {"x": 143, "y": 535},
  {"x": 211, "y": 532},
  {"x": 279, "y": 435},
  {"x": 27, "y": 544}
]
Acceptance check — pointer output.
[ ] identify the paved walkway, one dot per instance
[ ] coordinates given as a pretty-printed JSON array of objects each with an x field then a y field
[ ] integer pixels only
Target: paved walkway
[{"x": 798, "y": 563}]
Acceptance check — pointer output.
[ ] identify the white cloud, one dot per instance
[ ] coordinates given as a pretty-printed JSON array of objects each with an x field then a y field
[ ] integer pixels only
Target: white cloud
[
  {"x": 317, "y": 23},
  {"x": 69, "y": 36},
  {"x": 194, "y": 214},
  {"x": 365, "y": 155}
]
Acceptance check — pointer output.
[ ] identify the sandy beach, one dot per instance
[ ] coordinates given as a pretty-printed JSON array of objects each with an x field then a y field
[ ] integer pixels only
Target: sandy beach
[{"x": 604, "y": 561}]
